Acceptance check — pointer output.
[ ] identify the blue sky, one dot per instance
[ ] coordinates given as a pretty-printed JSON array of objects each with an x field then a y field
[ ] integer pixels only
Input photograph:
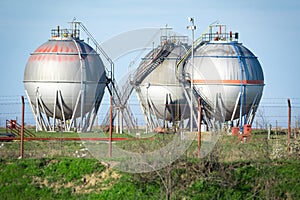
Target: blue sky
[{"x": 268, "y": 28}]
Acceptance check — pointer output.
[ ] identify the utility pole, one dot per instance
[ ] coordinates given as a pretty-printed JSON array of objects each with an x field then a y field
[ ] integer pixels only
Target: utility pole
[{"x": 193, "y": 28}]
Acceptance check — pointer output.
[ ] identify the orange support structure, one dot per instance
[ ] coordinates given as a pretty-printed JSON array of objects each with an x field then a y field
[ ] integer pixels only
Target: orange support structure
[
  {"x": 245, "y": 136},
  {"x": 247, "y": 129},
  {"x": 235, "y": 131}
]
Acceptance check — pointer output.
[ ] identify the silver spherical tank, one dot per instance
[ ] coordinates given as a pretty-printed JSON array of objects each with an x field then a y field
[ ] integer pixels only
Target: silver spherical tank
[
  {"x": 64, "y": 78},
  {"x": 159, "y": 91},
  {"x": 228, "y": 76}
]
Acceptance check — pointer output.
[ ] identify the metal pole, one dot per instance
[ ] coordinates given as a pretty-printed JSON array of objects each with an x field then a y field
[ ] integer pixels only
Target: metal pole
[
  {"x": 193, "y": 27},
  {"x": 22, "y": 130},
  {"x": 199, "y": 126},
  {"x": 110, "y": 128},
  {"x": 148, "y": 109},
  {"x": 289, "y": 126}
]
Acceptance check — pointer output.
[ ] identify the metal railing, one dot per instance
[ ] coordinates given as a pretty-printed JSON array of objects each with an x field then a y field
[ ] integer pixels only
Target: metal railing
[
  {"x": 65, "y": 33},
  {"x": 13, "y": 127}
]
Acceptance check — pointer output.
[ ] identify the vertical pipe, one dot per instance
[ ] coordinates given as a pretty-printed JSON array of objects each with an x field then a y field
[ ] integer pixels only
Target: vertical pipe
[
  {"x": 22, "y": 131},
  {"x": 289, "y": 126},
  {"x": 199, "y": 126},
  {"x": 110, "y": 128}
]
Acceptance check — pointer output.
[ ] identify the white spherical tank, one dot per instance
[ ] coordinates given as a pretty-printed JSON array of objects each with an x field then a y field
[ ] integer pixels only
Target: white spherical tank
[
  {"x": 224, "y": 74},
  {"x": 159, "y": 89},
  {"x": 63, "y": 72}
]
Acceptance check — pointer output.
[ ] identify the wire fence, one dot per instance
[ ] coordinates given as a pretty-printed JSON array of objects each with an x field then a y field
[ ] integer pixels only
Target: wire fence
[
  {"x": 271, "y": 111},
  {"x": 274, "y": 112}
]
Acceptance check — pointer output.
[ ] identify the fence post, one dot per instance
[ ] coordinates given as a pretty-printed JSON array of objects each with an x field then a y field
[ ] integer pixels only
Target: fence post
[
  {"x": 199, "y": 126},
  {"x": 110, "y": 128},
  {"x": 269, "y": 131},
  {"x": 22, "y": 131},
  {"x": 289, "y": 126}
]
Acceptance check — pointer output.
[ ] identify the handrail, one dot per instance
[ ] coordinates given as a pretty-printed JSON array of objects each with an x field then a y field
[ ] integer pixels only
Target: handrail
[{"x": 110, "y": 72}]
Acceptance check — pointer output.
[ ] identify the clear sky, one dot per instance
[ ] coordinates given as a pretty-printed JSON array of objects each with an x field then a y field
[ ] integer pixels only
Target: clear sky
[{"x": 270, "y": 29}]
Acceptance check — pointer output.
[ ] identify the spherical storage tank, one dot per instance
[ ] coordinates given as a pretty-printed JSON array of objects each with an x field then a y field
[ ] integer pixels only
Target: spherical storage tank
[
  {"x": 64, "y": 77},
  {"x": 227, "y": 75},
  {"x": 159, "y": 91}
]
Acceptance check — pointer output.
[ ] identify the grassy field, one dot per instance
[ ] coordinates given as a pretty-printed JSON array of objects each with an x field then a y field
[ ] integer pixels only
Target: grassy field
[{"x": 260, "y": 169}]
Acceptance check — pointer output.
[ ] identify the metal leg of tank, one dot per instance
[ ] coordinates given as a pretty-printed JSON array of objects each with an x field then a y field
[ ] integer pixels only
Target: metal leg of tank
[
  {"x": 155, "y": 121},
  {"x": 148, "y": 117},
  {"x": 91, "y": 115},
  {"x": 174, "y": 113},
  {"x": 208, "y": 121},
  {"x": 54, "y": 111},
  {"x": 151, "y": 118},
  {"x": 149, "y": 111},
  {"x": 38, "y": 114},
  {"x": 75, "y": 124},
  {"x": 121, "y": 122},
  {"x": 60, "y": 102},
  {"x": 55, "y": 105},
  {"x": 128, "y": 117},
  {"x": 142, "y": 106},
  {"x": 33, "y": 109},
  {"x": 252, "y": 111},
  {"x": 87, "y": 121},
  {"x": 235, "y": 107},
  {"x": 193, "y": 111},
  {"x": 165, "y": 112},
  {"x": 221, "y": 107},
  {"x": 42, "y": 121},
  {"x": 117, "y": 120},
  {"x": 181, "y": 123},
  {"x": 73, "y": 119},
  {"x": 41, "y": 104},
  {"x": 91, "y": 118}
]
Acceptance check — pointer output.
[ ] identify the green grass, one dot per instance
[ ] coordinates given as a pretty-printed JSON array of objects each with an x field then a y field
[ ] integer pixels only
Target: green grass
[
  {"x": 68, "y": 178},
  {"x": 32, "y": 178},
  {"x": 259, "y": 169},
  {"x": 277, "y": 180}
]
